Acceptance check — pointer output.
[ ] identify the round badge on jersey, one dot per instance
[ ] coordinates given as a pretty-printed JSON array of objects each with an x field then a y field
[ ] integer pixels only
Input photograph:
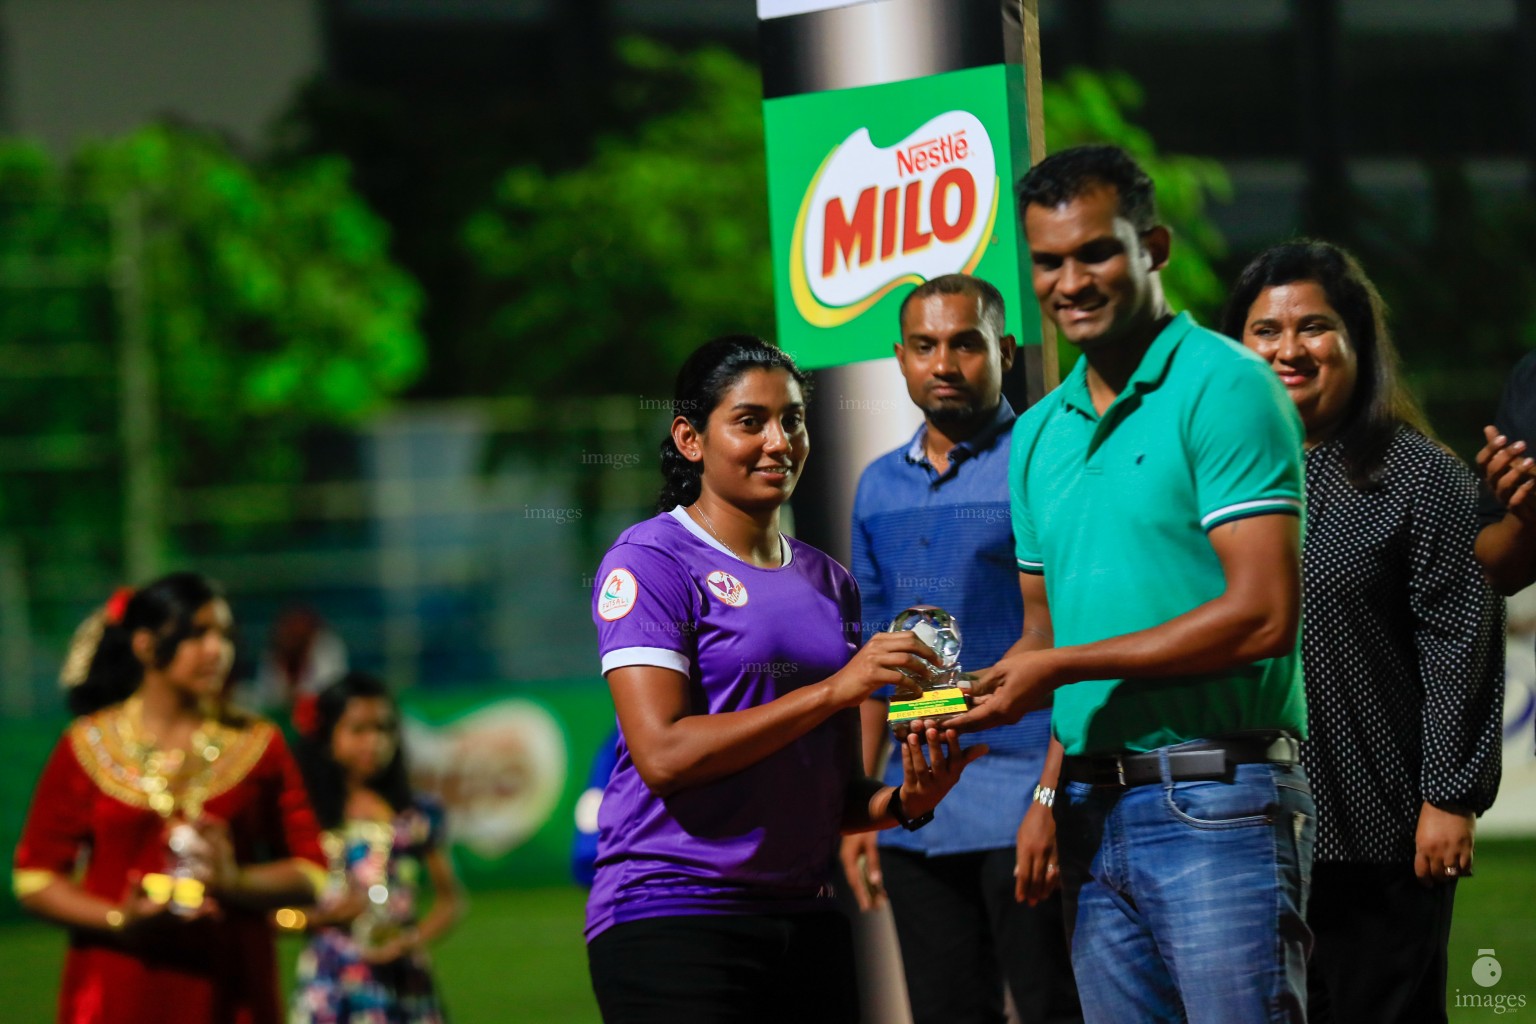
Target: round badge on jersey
[
  {"x": 727, "y": 588},
  {"x": 617, "y": 599}
]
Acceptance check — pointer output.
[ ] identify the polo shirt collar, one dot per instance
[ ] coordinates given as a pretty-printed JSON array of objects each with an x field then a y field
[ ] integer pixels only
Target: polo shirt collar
[
  {"x": 1148, "y": 375},
  {"x": 1002, "y": 419}
]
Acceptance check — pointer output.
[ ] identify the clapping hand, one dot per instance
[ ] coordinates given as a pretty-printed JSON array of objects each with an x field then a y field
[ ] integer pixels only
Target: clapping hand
[{"x": 1509, "y": 473}]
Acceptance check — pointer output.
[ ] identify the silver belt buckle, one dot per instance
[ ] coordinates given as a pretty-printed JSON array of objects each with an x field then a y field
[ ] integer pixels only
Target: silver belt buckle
[{"x": 1120, "y": 769}]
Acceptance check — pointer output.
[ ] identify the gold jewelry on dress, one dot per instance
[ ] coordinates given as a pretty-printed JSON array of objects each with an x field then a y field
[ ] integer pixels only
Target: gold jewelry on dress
[
  {"x": 159, "y": 770},
  {"x": 114, "y": 764},
  {"x": 114, "y": 920}
]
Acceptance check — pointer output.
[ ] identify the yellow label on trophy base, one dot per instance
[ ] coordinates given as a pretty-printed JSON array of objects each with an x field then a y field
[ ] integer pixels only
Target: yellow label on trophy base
[{"x": 932, "y": 704}]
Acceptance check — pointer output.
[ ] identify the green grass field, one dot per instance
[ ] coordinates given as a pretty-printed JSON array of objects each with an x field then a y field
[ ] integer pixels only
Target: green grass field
[{"x": 518, "y": 956}]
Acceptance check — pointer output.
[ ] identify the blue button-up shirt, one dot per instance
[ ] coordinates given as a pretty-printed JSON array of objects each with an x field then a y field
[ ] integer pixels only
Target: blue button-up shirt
[{"x": 925, "y": 537}]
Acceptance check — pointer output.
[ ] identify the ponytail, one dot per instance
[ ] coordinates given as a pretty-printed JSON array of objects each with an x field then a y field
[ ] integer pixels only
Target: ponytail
[{"x": 681, "y": 479}]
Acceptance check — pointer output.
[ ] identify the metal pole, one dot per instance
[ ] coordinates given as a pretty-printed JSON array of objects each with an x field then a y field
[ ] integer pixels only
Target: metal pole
[
  {"x": 399, "y": 566},
  {"x": 143, "y": 486},
  {"x": 17, "y": 698},
  {"x": 862, "y": 409}
]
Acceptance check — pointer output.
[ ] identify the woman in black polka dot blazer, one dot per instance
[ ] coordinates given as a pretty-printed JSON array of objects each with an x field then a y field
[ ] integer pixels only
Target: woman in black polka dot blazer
[{"x": 1402, "y": 641}]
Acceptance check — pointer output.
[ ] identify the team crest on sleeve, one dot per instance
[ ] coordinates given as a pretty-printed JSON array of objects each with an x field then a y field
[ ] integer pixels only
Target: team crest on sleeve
[
  {"x": 618, "y": 595},
  {"x": 727, "y": 588}
]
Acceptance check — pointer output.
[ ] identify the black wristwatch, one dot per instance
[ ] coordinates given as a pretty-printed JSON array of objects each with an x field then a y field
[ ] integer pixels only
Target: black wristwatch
[{"x": 910, "y": 824}]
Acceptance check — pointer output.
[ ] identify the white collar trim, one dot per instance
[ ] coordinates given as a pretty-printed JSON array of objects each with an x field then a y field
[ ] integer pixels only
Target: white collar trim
[{"x": 681, "y": 515}]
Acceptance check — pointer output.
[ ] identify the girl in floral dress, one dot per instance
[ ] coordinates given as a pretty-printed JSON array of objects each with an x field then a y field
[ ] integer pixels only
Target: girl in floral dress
[{"x": 366, "y": 962}]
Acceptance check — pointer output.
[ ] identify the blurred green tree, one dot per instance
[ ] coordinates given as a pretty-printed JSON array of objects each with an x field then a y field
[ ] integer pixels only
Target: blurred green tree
[
  {"x": 272, "y": 300},
  {"x": 1085, "y": 107},
  {"x": 608, "y": 273},
  {"x": 266, "y": 296},
  {"x": 1436, "y": 264}
]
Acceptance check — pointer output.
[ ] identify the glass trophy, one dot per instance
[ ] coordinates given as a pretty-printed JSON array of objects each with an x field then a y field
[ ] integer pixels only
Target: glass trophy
[{"x": 943, "y": 696}]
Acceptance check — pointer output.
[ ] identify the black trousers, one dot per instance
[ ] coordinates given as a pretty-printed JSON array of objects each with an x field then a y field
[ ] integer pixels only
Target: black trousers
[
  {"x": 726, "y": 969},
  {"x": 963, "y": 936},
  {"x": 1379, "y": 951}
]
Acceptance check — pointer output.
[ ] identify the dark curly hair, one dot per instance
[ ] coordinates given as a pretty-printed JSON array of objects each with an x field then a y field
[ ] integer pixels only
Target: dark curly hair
[{"x": 705, "y": 377}]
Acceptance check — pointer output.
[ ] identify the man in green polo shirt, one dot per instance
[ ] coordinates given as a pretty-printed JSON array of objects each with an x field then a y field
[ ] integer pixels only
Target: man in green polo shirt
[{"x": 1157, "y": 499}]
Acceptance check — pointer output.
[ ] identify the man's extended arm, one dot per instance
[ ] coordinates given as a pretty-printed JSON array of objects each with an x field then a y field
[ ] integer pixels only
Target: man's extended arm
[{"x": 1255, "y": 617}]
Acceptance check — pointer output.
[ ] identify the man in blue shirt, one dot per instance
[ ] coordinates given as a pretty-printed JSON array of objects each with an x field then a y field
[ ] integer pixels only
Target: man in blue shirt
[{"x": 931, "y": 526}]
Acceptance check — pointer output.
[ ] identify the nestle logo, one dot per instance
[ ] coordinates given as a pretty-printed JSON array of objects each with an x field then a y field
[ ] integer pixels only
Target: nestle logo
[{"x": 920, "y": 156}]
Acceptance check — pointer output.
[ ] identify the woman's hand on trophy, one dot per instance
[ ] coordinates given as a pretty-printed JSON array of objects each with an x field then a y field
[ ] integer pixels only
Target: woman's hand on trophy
[
  {"x": 138, "y": 910},
  {"x": 341, "y": 907},
  {"x": 888, "y": 659},
  {"x": 928, "y": 776},
  {"x": 216, "y": 855},
  {"x": 404, "y": 944},
  {"x": 1036, "y": 873}
]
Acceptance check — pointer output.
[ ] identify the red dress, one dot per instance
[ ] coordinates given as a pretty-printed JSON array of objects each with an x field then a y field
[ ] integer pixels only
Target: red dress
[{"x": 208, "y": 971}]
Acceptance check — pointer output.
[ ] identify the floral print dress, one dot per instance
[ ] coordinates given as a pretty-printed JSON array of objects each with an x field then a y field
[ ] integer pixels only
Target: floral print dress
[{"x": 335, "y": 984}]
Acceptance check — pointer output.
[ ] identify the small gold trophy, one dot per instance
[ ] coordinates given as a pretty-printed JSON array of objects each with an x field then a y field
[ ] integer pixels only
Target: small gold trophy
[
  {"x": 189, "y": 860},
  {"x": 370, "y": 844},
  {"x": 189, "y": 857},
  {"x": 943, "y": 697}
]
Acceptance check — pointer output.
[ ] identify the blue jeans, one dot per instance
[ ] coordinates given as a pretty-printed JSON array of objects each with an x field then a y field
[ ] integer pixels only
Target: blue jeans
[{"x": 1187, "y": 900}]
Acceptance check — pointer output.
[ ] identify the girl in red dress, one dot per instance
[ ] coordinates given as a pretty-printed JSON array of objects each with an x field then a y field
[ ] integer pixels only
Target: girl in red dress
[{"x": 165, "y": 825}]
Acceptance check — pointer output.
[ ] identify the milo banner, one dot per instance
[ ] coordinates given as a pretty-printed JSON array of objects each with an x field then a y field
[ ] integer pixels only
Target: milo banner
[{"x": 896, "y": 131}]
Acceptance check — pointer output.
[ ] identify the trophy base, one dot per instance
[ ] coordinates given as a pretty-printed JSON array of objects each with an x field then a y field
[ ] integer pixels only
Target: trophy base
[
  {"x": 372, "y": 932},
  {"x": 933, "y": 705},
  {"x": 183, "y": 895}
]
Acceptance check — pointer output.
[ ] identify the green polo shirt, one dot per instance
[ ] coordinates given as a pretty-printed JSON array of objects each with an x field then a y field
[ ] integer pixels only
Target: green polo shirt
[{"x": 1114, "y": 511}]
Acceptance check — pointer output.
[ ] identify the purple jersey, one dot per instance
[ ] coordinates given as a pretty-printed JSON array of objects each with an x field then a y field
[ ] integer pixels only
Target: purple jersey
[{"x": 760, "y": 840}]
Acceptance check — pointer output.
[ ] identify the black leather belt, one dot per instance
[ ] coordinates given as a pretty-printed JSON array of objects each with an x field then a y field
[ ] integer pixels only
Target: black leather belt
[{"x": 1197, "y": 759}]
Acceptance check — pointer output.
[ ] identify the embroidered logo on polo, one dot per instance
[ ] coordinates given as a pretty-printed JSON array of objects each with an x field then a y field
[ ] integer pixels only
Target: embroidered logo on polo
[
  {"x": 727, "y": 588},
  {"x": 619, "y": 593}
]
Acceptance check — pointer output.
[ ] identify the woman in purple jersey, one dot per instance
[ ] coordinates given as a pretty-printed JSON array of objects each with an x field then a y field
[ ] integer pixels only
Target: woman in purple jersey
[{"x": 733, "y": 656}]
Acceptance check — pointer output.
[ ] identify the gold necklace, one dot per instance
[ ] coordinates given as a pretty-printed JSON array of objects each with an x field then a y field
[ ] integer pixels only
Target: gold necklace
[
  {"x": 700, "y": 510},
  {"x": 157, "y": 768}
]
